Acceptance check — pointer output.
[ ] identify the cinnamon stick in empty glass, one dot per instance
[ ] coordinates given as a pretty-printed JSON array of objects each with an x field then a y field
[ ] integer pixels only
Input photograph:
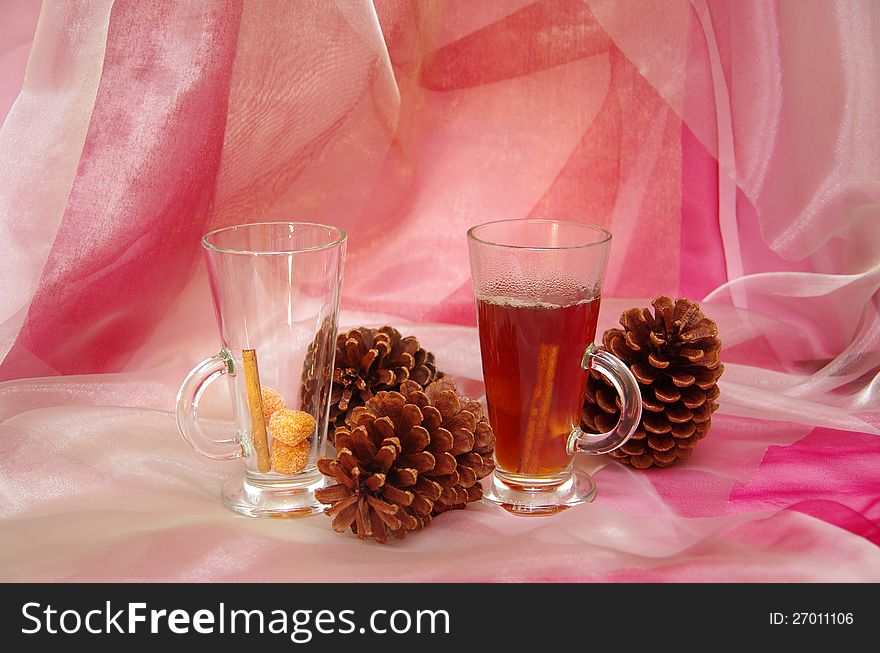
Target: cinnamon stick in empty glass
[{"x": 275, "y": 287}]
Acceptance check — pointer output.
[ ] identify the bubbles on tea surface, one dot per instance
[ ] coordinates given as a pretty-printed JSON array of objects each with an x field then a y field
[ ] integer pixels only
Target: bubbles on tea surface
[
  {"x": 511, "y": 302},
  {"x": 545, "y": 293}
]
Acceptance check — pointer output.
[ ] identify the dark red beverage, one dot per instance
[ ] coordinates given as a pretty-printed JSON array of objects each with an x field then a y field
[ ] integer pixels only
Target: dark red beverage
[{"x": 534, "y": 381}]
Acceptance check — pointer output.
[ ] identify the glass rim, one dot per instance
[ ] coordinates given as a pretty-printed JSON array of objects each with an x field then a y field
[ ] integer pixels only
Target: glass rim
[
  {"x": 341, "y": 237},
  {"x": 606, "y": 235}
]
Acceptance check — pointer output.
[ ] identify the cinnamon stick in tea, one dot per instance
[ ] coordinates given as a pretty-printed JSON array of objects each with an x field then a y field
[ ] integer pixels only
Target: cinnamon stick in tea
[
  {"x": 539, "y": 409},
  {"x": 255, "y": 406}
]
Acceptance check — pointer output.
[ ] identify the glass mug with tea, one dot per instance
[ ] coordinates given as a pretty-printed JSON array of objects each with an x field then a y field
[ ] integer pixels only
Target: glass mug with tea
[
  {"x": 275, "y": 288},
  {"x": 538, "y": 286}
]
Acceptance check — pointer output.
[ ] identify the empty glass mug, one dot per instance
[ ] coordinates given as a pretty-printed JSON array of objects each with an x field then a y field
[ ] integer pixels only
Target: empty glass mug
[
  {"x": 276, "y": 289},
  {"x": 538, "y": 285}
]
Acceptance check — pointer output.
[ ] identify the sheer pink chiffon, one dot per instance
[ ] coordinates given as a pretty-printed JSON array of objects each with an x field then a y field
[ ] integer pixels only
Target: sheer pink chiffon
[{"x": 732, "y": 148}]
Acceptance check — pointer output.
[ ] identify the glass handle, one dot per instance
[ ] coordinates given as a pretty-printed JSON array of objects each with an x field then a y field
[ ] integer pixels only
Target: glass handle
[
  {"x": 188, "y": 397},
  {"x": 613, "y": 369}
]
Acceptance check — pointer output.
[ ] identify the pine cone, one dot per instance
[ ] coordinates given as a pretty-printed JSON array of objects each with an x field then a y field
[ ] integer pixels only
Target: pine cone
[
  {"x": 372, "y": 360},
  {"x": 473, "y": 445},
  {"x": 674, "y": 356},
  {"x": 316, "y": 369},
  {"x": 405, "y": 457}
]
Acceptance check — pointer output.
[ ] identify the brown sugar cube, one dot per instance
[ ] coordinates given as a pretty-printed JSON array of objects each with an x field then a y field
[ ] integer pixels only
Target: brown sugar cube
[
  {"x": 291, "y": 426},
  {"x": 272, "y": 401},
  {"x": 287, "y": 459}
]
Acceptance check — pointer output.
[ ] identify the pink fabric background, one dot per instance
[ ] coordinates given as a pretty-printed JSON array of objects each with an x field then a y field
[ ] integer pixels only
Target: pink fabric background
[{"x": 732, "y": 148}]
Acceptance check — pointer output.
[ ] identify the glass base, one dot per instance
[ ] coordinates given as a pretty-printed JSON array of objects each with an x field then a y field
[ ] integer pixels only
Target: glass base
[
  {"x": 274, "y": 498},
  {"x": 578, "y": 488}
]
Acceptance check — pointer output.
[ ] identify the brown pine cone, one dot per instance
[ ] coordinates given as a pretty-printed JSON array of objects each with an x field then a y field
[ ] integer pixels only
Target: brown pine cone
[
  {"x": 316, "y": 368},
  {"x": 405, "y": 457},
  {"x": 474, "y": 445},
  {"x": 372, "y": 360},
  {"x": 674, "y": 356}
]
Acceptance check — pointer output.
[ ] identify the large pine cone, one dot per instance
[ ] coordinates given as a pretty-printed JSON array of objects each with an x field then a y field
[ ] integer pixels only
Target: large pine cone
[
  {"x": 316, "y": 370},
  {"x": 405, "y": 457},
  {"x": 674, "y": 356},
  {"x": 372, "y": 360}
]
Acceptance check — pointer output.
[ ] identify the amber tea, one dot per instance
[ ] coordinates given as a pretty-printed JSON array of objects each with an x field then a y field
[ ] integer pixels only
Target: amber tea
[
  {"x": 534, "y": 379},
  {"x": 537, "y": 283}
]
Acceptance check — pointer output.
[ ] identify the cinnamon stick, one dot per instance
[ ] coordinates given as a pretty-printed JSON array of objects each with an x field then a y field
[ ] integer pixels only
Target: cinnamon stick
[
  {"x": 255, "y": 406},
  {"x": 539, "y": 409}
]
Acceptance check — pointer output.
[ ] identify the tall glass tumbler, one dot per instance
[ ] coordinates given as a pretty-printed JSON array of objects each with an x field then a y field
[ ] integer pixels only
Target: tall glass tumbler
[
  {"x": 276, "y": 290},
  {"x": 538, "y": 286}
]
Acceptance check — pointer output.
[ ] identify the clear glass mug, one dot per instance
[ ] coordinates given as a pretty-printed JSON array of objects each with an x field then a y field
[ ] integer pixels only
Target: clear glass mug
[
  {"x": 538, "y": 286},
  {"x": 275, "y": 288}
]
